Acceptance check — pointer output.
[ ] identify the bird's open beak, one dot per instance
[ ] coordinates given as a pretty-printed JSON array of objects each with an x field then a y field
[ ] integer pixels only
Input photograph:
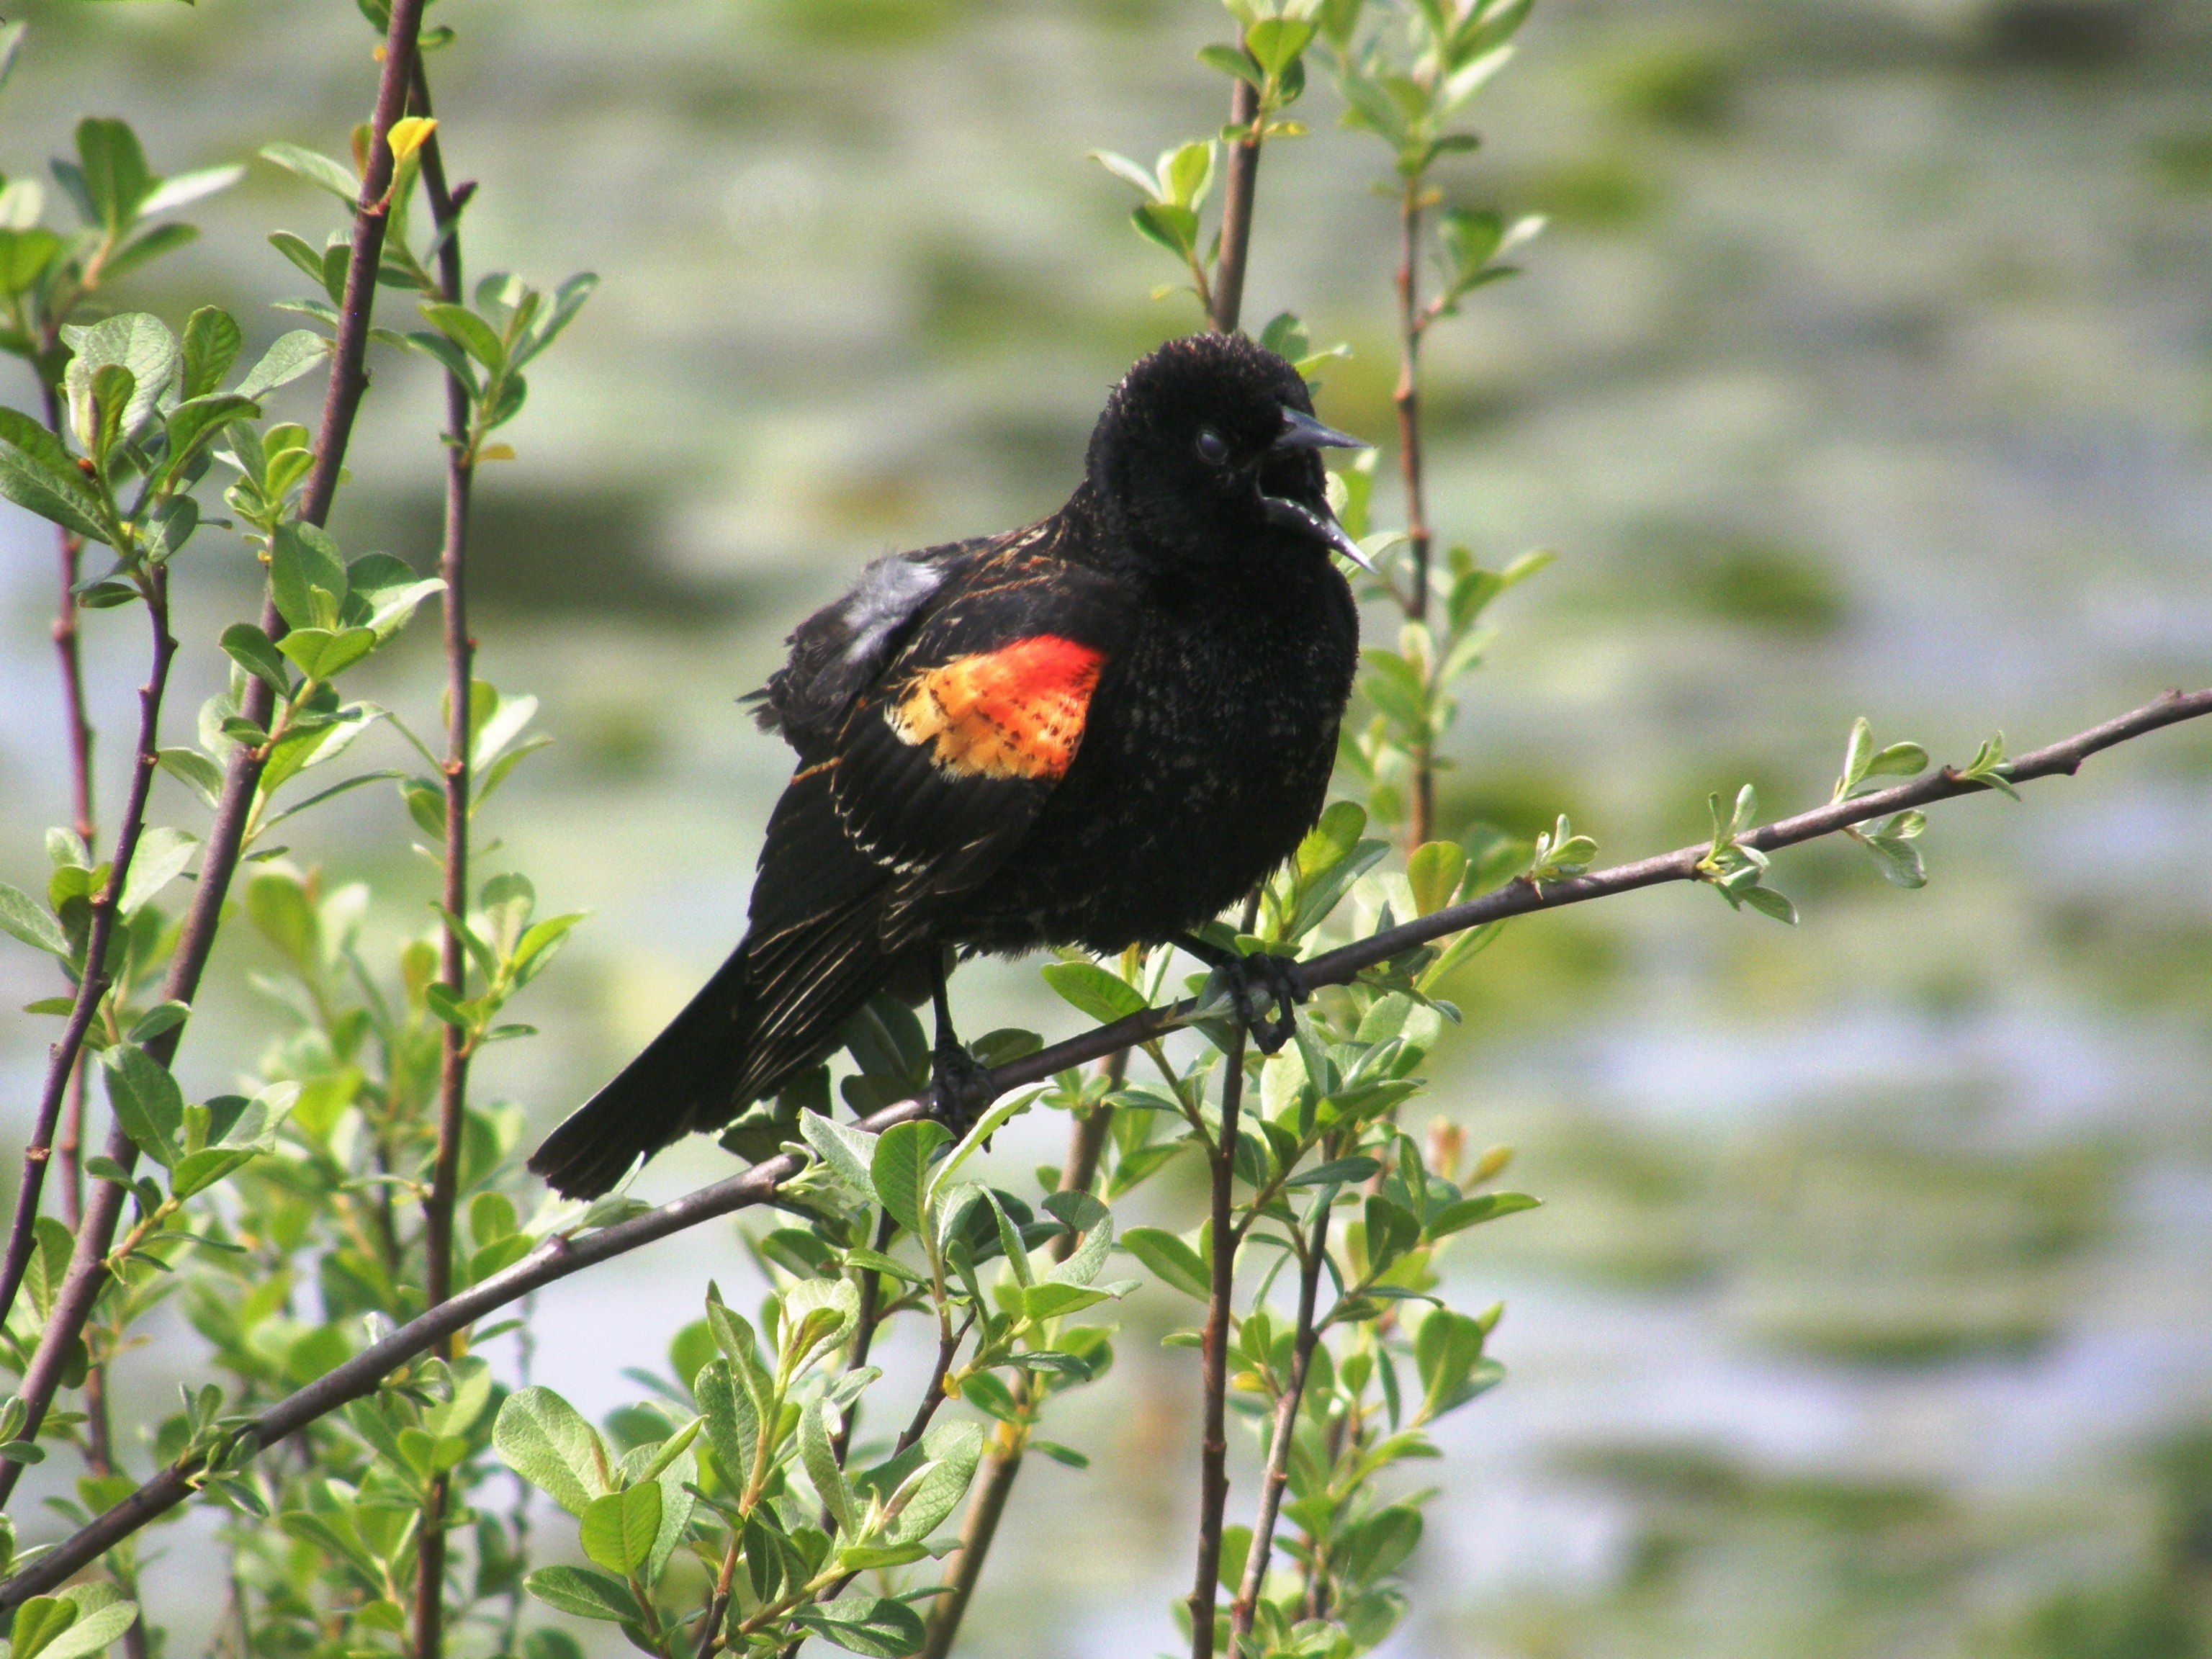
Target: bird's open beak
[{"x": 1302, "y": 431}]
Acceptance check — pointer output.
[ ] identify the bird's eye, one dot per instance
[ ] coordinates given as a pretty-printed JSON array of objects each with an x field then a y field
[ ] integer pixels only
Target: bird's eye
[{"x": 1211, "y": 449}]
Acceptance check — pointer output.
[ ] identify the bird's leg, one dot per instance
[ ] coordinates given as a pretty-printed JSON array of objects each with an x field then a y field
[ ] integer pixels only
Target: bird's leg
[
  {"x": 959, "y": 1087},
  {"x": 1249, "y": 977}
]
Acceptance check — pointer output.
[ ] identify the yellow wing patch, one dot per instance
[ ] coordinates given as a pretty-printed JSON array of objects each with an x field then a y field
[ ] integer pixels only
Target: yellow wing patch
[{"x": 1017, "y": 712}]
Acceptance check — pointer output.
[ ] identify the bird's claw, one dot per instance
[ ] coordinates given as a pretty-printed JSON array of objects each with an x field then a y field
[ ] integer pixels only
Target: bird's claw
[
  {"x": 959, "y": 1088},
  {"x": 1275, "y": 980}
]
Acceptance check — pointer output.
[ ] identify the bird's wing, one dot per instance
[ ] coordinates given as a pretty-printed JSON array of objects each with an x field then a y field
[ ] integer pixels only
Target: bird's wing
[
  {"x": 946, "y": 760},
  {"x": 841, "y": 650}
]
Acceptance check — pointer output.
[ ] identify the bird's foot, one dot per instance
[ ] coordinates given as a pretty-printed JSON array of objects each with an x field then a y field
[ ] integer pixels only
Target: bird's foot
[
  {"x": 959, "y": 1088},
  {"x": 1259, "y": 983}
]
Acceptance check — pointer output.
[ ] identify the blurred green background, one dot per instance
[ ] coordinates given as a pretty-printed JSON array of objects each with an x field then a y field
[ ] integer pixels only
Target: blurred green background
[{"x": 1867, "y": 368}]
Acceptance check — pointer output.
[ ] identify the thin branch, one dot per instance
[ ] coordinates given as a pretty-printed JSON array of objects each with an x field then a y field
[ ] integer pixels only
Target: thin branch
[
  {"x": 1243, "y": 184},
  {"x": 558, "y": 1257},
  {"x": 1002, "y": 1466},
  {"x": 93, "y": 985},
  {"x": 70, "y": 549},
  {"x": 226, "y": 834},
  {"x": 977, "y": 1532},
  {"x": 63, "y": 1057},
  {"x": 1421, "y": 824},
  {"x": 1213, "y": 1435},
  {"x": 454, "y": 1060},
  {"x": 1278, "y": 1474}
]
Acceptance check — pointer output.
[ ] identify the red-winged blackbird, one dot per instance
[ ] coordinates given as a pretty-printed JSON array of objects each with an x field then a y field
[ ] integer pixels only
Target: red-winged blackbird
[{"x": 1101, "y": 730}]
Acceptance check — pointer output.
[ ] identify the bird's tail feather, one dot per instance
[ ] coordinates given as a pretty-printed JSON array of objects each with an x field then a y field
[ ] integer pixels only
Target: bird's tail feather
[
  {"x": 773, "y": 1009},
  {"x": 681, "y": 1077}
]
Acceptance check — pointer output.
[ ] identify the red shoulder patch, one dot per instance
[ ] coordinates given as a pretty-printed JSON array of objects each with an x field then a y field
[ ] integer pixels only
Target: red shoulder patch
[{"x": 1017, "y": 712}]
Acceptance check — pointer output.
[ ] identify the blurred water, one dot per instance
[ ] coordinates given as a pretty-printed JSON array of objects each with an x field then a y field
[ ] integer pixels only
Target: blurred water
[{"x": 1862, "y": 371}]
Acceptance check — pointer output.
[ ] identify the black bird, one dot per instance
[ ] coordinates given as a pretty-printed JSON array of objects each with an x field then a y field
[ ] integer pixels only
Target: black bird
[{"x": 1100, "y": 730}]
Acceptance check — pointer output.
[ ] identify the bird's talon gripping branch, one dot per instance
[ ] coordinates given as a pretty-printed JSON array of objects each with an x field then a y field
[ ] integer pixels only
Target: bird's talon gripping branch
[
  {"x": 959, "y": 1088},
  {"x": 1256, "y": 982}
]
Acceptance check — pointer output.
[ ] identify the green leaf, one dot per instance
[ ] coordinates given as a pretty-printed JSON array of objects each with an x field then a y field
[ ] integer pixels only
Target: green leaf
[
  {"x": 1235, "y": 64},
  {"x": 144, "y": 249},
  {"x": 290, "y": 357},
  {"x": 38, "y": 1622},
  {"x": 161, "y": 1016},
  {"x": 449, "y": 356},
  {"x": 30, "y": 921},
  {"x": 900, "y": 1169},
  {"x": 732, "y": 1424},
  {"x": 816, "y": 1452},
  {"x": 1174, "y": 229},
  {"x": 1434, "y": 872},
  {"x": 1091, "y": 990},
  {"x": 303, "y": 559},
  {"x": 383, "y": 593},
  {"x": 135, "y": 341},
  {"x": 181, "y": 189},
  {"x": 146, "y": 1099},
  {"x": 469, "y": 331},
  {"x": 1276, "y": 41},
  {"x": 1473, "y": 1212},
  {"x": 25, "y": 254},
  {"x": 1051, "y": 1301},
  {"x": 112, "y": 169},
  {"x": 323, "y": 655},
  {"x": 1172, "y": 1261},
  {"x": 1127, "y": 170},
  {"x": 161, "y": 857},
  {"x": 1899, "y": 862},
  {"x": 544, "y": 1439},
  {"x": 1990, "y": 767},
  {"x": 1382, "y": 1543},
  {"x": 1768, "y": 903},
  {"x": 1900, "y": 760},
  {"x": 846, "y": 1151},
  {"x": 39, "y": 475},
  {"x": 1445, "y": 1350},
  {"x": 981, "y": 1130},
  {"x": 818, "y": 1314},
  {"x": 211, "y": 342},
  {"x": 586, "y": 1592},
  {"x": 198, "y": 1171},
  {"x": 1343, "y": 1171},
  {"x": 254, "y": 651},
  {"x": 196, "y": 421},
  {"x": 99, "y": 1623},
  {"x": 618, "y": 1529},
  {"x": 866, "y": 1624},
  {"x": 316, "y": 168}
]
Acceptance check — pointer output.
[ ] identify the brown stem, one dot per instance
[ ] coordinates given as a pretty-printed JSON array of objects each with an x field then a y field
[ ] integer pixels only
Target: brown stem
[
  {"x": 69, "y": 547},
  {"x": 234, "y": 809},
  {"x": 1002, "y": 1466},
  {"x": 453, "y": 1062},
  {"x": 70, "y": 1149},
  {"x": 72, "y": 548},
  {"x": 1213, "y": 1442},
  {"x": 863, "y": 1337},
  {"x": 560, "y": 1256},
  {"x": 1244, "y": 182},
  {"x": 977, "y": 1531},
  {"x": 948, "y": 1344},
  {"x": 61, "y": 1062},
  {"x": 1408, "y": 397},
  {"x": 1241, "y": 1610}
]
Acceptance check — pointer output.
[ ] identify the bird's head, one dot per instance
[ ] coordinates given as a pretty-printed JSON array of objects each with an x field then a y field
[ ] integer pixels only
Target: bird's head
[{"x": 1206, "y": 455}]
